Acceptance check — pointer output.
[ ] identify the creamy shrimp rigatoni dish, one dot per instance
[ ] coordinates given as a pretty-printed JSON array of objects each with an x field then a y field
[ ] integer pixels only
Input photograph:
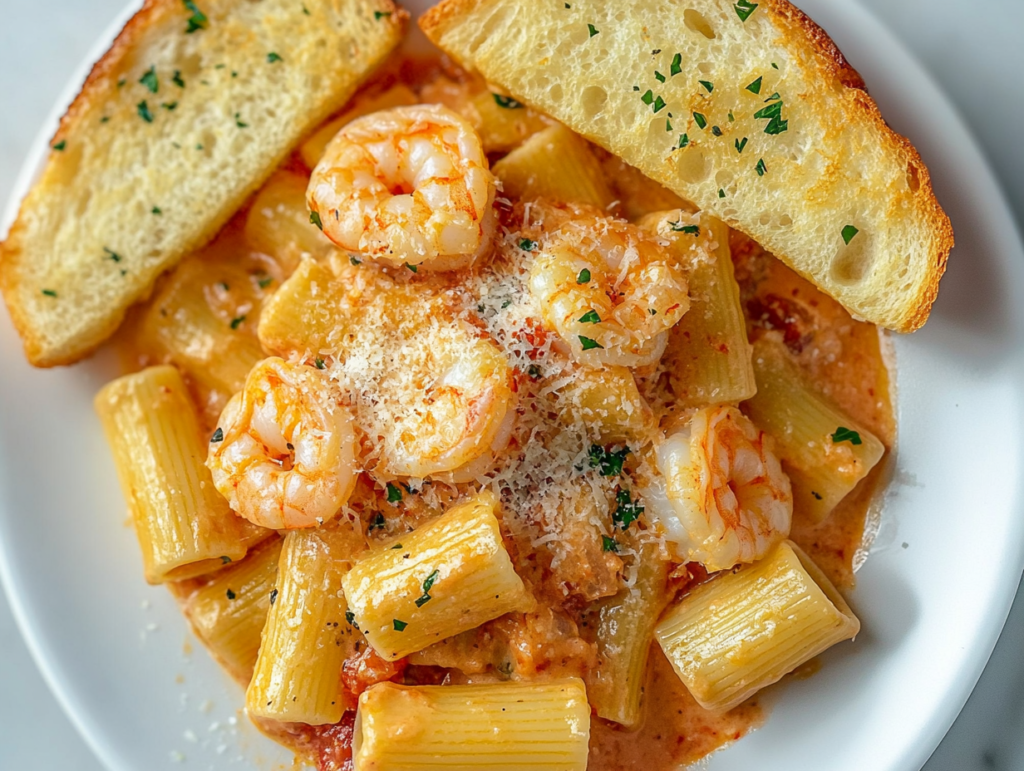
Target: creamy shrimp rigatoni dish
[{"x": 466, "y": 445}]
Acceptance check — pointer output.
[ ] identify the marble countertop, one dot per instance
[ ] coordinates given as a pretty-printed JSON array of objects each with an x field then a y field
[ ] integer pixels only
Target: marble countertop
[{"x": 973, "y": 49}]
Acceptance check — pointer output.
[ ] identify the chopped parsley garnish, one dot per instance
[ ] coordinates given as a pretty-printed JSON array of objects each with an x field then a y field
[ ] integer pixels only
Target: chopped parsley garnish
[
  {"x": 236, "y": 322},
  {"x": 224, "y": 560},
  {"x": 428, "y": 584},
  {"x": 760, "y": 168},
  {"x": 273, "y": 596},
  {"x": 169, "y": 106},
  {"x": 755, "y": 87},
  {"x": 677, "y": 227},
  {"x": 716, "y": 131},
  {"x": 231, "y": 595},
  {"x": 264, "y": 281},
  {"x": 314, "y": 219},
  {"x": 775, "y": 66},
  {"x": 354, "y": 260},
  {"x": 177, "y": 79},
  {"x": 506, "y": 304},
  {"x": 378, "y": 15},
  {"x": 589, "y": 344},
  {"x": 731, "y": 118},
  {"x": 721, "y": 193},
  {"x": 394, "y": 493},
  {"x": 844, "y": 434},
  {"x": 659, "y": 77},
  {"x": 399, "y": 625},
  {"x": 421, "y": 601},
  {"x": 677, "y": 64},
  {"x": 773, "y": 96},
  {"x": 319, "y": 363},
  {"x": 741, "y": 144},
  {"x": 197, "y": 20},
  {"x": 592, "y": 30},
  {"x": 60, "y": 145},
  {"x": 396, "y": 547},
  {"x": 377, "y": 523},
  {"x": 608, "y": 544},
  {"x": 848, "y": 233},
  {"x": 652, "y": 311},
  {"x": 350, "y": 617},
  {"x": 507, "y": 102},
  {"x": 218, "y": 436},
  {"x": 583, "y": 277},
  {"x": 144, "y": 113},
  {"x": 659, "y": 104},
  {"x": 648, "y": 97},
  {"x": 150, "y": 80},
  {"x": 707, "y": 84},
  {"x": 773, "y": 112},
  {"x": 817, "y": 496},
  {"x": 627, "y": 510},
  {"x": 590, "y": 317},
  {"x": 668, "y": 123},
  {"x": 121, "y": 82},
  {"x": 274, "y": 57},
  {"x": 608, "y": 461},
  {"x": 744, "y": 8},
  {"x": 413, "y": 268},
  {"x": 527, "y": 245},
  {"x": 533, "y": 371},
  {"x": 239, "y": 122},
  {"x": 702, "y": 122},
  {"x": 305, "y": 10},
  {"x": 684, "y": 140},
  {"x": 50, "y": 292},
  {"x": 112, "y": 255}
]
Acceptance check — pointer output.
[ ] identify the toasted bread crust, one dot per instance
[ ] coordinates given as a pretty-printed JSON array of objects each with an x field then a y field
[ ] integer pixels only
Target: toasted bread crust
[
  {"x": 100, "y": 86},
  {"x": 798, "y": 32}
]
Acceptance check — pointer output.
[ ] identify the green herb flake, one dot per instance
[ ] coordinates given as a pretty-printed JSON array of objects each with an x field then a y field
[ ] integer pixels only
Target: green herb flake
[
  {"x": 534, "y": 372},
  {"x": 224, "y": 560},
  {"x": 314, "y": 219},
  {"x": 583, "y": 277},
  {"x": 741, "y": 144},
  {"x": 589, "y": 344},
  {"x": 760, "y": 168},
  {"x": 377, "y": 523},
  {"x": 274, "y": 57},
  {"x": 844, "y": 434},
  {"x": 648, "y": 97},
  {"x": 507, "y": 102},
  {"x": 721, "y": 193},
  {"x": 396, "y": 547},
  {"x": 150, "y": 80},
  {"x": 305, "y": 11},
  {"x": 177, "y": 79},
  {"x": 394, "y": 493},
  {"x": 731, "y": 118},
  {"x": 744, "y": 8},
  {"x": 121, "y": 82},
  {"x": 231, "y": 594},
  {"x": 273, "y": 596},
  {"x": 237, "y": 322},
  {"x": 169, "y": 106},
  {"x": 848, "y": 233},
  {"x": 50, "y": 292},
  {"x": 143, "y": 110},
  {"x": 413, "y": 268},
  {"x": 773, "y": 97},
  {"x": 104, "y": 119},
  {"x": 716, "y": 131},
  {"x": 527, "y": 245},
  {"x": 264, "y": 281},
  {"x": 692, "y": 230},
  {"x": 590, "y": 317},
  {"x": 218, "y": 436},
  {"x": 627, "y": 511},
  {"x": 319, "y": 363},
  {"x": 197, "y": 20},
  {"x": 817, "y": 496},
  {"x": 702, "y": 122},
  {"x": 659, "y": 104},
  {"x": 378, "y": 15},
  {"x": 775, "y": 66},
  {"x": 112, "y": 255},
  {"x": 677, "y": 64},
  {"x": 59, "y": 147},
  {"x": 609, "y": 462},
  {"x": 350, "y": 617},
  {"x": 773, "y": 112},
  {"x": 239, "y": 122},
  {"x": 659, "y": 77},
  {"x": 156, "y": 210},
  {"x": 684, "y": 140},
  {"x": 668, "y": 124},
  {"x": 399, "y": 625},
  {"x": 755, "y": 87},
  {"x": 592, "y": 30},
  {"x": 428, "y": 584},
  {"x": 609, "y": 544},
  {"x": 708, "y": 85},
  {"x": 420, "y": 602}
]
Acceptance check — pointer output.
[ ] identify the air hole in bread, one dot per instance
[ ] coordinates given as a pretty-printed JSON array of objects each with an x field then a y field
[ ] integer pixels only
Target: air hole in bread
[
  {"x": 593, "y": 100},
  {"x": 913, "y": 178},
  {"x": 851, "y": 264},
  {"x": 785, "y": 221},
  {"x": 487, "y": 29},
  {"x": 555, "y": 92},
  {"x": 691, "y": 165},
  {"x": 695, "y": 20}
]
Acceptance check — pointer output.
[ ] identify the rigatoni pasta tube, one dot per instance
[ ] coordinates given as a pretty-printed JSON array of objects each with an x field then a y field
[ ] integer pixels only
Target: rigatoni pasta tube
[
  {"x": 746, "y": 629},
  {"x": 302, "y": 316},
  {"x": 554, "y": 163},
  {"x": 278, "y": 221},
  {"x": 625, "y": 631},
  {"x": 228, "y": 613},
  {"x": 501, "y": 727},
  {"x": 609, "y": 402},
  {"x": 824, "y": 451},
  {"x": 503, "y": 123},
  {"x": 184, "y": 525},
  {"x": 307, "y": 635},
  {"x": 450, "y": 575},
  {"x": 708, "y": 357}
]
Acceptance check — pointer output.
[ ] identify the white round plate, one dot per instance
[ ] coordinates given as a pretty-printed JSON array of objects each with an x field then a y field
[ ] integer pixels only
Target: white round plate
[{"x": 932, "y": 597}]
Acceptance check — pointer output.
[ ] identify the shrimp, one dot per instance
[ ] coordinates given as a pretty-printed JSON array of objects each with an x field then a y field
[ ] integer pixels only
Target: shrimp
[
  {"x": 608, "y": 289},
  {"x": 284, "y": 454},
  {"x": 722, "y": 495},
  {"x": 407, "y": 186}
]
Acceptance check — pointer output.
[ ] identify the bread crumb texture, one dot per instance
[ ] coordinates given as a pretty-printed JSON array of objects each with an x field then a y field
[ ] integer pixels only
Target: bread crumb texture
[
  {"x": 746, "y": 109},
  {"x": 190, "y": 110}
]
